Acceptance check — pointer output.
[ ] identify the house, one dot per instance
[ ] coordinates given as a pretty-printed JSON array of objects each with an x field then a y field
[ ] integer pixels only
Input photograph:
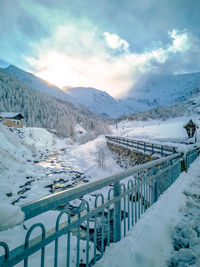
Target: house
[
  {"x": 191, "y": 128},
  {"x": 11, "y": 119}
]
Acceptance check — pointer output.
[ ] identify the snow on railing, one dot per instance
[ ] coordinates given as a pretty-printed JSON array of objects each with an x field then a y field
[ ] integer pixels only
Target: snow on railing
[
  {"x": 145, "y": 147},
  {"x": 126, "y": 196}
]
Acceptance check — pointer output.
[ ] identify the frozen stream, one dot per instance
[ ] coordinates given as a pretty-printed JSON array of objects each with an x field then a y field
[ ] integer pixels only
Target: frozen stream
[{"x": 57, "y": 175}]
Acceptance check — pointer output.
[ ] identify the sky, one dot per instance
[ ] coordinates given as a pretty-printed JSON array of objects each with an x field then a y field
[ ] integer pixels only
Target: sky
[{"x": 106, "y": 44}]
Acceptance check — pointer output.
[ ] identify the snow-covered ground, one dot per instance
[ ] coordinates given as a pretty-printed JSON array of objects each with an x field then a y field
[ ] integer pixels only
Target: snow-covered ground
[
  {"x": 174, "y": 217},
  {"x": 34, "y": 162},
  {"x": 170, "y": 132}
]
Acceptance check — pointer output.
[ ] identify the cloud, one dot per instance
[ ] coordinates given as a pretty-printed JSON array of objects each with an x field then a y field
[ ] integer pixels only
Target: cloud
[
  {"x": 75, "y": 58},
  {"x": 181, "y": 41},
  {"x": 76, "y": 43},
  {"x": 115, "y": 42}
]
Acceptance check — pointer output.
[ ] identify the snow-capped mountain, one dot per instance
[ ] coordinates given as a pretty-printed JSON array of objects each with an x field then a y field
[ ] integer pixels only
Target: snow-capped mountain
[
  {"x": 96, "y": 100},
  {"x": 42, "y": 110},
  {"x": 161, "y": 90},
  {"x": 37, "y": 83},
  {"x": 187, "y": 108},
  {"x": 153, "y": 91},
  {"x": 157, "y": 90}
]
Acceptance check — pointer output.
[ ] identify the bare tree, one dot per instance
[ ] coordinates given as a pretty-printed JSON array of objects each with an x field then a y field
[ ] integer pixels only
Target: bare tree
[{"x": 101, "y": 156}]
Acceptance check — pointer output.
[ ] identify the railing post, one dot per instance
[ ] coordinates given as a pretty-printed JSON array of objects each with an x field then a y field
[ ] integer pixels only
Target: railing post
[
  {"x": 171, "y": 172},
  {"x": 144, "y": 147},
  {"x": 155, "y": 185},
  {"x": 152, "y": 150},
  {"x": 161, "y": 151},
  {"x": 186, "y": 162},
  {"x": 117, "y": 213},
  {"x": 183, "y": 164}
]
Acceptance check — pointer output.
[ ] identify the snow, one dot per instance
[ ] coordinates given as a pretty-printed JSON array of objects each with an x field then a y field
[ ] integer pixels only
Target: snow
[
  {"x": 161, "y": 90},
  {"x": 42, "y": 139},
  {"x": 27, "y": 168},
  {"x": 37, "y": 83},
  {"x": 10, "y": 216},
  {"x": 157, "y": 90},
  {"x": 37, "y": 156},
  {"x": 149, "y": 243},
  {"x": 85, "y": 157},
  {"x": 9, "y": 114},
  {"x": 17, "y": 161},
  {"x": 96, "y": 100},
  {"x": 171, "y": 131},
  {"x": 16, "y": 236}
]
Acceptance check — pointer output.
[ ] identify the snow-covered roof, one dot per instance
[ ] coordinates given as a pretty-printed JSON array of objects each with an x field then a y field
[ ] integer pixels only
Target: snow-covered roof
[
  {"x": 10, "y": 114},
  {"x": 190, "y": 122}
]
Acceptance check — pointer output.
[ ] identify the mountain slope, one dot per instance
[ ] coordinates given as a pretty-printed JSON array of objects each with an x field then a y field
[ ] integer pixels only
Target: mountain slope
[
  {"x": 161, "y": 90},
  {"x": 37, "y": 83},
  {"x": 96, "y": 100},
  {"x": 93, "y": 99},
  {"x": 42, "y": 110},
  {"x": 153, "y": 91},
  {"x": 189, "y": 107}
]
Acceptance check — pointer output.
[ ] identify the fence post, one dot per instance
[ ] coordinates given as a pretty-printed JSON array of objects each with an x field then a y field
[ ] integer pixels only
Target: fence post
[
  {"x": 155, "y": 185},
  {"x": 117, "y": 213},
  {"x": 171, "y": 172},
  {"x": 186, "y": 161},
  {"x": 161, "y": 151}
]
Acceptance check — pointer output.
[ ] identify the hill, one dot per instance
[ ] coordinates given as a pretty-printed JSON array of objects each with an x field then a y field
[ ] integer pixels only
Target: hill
[
  {"x": 42, "y": 110},
  {"x": 37, "y": 83}
]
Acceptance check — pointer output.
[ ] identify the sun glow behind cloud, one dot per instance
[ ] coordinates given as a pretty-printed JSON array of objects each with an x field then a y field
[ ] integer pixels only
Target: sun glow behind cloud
[
  {"x": 76, "y": 43},
  {"x": 72, "y": 59}
]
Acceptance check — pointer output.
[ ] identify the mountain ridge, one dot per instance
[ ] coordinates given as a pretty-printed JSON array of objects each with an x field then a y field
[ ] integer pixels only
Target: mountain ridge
[
  {"x": 152, "y": 92},
  {"x": 42, "y": 110},
  {"x": 37, "y": 83}
]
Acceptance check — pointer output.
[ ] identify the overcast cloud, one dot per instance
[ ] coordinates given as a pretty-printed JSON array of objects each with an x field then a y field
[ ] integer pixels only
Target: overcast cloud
[{"x": 104, "y": 44}]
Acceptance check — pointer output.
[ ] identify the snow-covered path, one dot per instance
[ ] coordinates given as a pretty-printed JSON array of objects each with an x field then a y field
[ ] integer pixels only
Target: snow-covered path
[{"x": 151, "y": 242}]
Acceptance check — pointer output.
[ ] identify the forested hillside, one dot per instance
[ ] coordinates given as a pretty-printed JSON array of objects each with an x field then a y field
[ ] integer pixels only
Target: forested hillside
[{"x": 42, "y": 110}]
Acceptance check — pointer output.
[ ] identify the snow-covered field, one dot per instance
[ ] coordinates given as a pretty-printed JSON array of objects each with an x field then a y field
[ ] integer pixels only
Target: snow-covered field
[
  {"x": 35, "y": 163},
  {"x": 167, "y": 131}
]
